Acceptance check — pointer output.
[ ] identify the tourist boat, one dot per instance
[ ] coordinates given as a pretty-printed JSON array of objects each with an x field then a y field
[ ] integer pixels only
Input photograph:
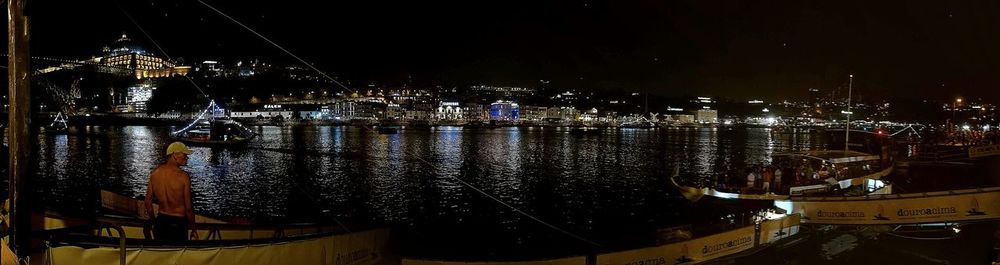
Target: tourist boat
[
  {"x": 818, "y": 173},
  {"x": 213, "y": 128},
  {"x": 213, "y": 133}
]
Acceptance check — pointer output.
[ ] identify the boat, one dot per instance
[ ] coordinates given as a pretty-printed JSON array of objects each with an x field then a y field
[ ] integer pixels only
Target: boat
[
  {"x": 639, "y": 125},
  {"x": 853, "y": 164},
  {"x": 481, "y": 125},
  {"x": 819, "y": 172},
  {"x": 58, "y": 125},
  {"x": 213, "y": 128},
  {"x": 388, "y": 129},
  {"x": 585, "y": 131},
  {"x": 121, "y": 235}
]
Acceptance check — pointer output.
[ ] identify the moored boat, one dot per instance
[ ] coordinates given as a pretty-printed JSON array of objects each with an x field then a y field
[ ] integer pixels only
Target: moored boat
[
  {"x": 388, "y": 129},
  {"x": 58, "y": 125},
  {"x": 213, "y": 128},
  {"x": 828, "y": 172}
]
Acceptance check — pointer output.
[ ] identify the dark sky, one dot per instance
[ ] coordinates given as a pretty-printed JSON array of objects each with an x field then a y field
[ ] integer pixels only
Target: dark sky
[{"x": 740, "y": 49}]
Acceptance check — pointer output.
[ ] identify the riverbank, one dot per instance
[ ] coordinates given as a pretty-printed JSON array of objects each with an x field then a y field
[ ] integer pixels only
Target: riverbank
[{"x": 133, "y": 119}]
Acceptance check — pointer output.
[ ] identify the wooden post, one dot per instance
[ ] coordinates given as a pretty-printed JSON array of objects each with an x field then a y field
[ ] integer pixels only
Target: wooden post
[{"x": 19, "y": 128}]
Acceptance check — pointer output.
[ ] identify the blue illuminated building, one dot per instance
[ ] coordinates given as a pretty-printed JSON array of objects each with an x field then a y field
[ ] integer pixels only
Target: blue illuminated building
[{"x": 504, "y": 111}]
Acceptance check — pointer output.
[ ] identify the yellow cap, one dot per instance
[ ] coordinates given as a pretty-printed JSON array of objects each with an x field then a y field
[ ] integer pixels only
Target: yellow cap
[{"x": 178, "y": 147}]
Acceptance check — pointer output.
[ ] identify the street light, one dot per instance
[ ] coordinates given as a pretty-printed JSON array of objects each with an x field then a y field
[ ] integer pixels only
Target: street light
[
  {"x": 954, "y": 107},
  {"x": 847, "y": 130}
]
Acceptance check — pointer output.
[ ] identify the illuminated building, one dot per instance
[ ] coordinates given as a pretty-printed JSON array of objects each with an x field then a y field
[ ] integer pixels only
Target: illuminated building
[
  {"x": 475, "y": 112},
  {"x": 449, "y": 110},
  {"x": 497, "y": 92},
  {"x": 681, "y": 118},
  {"x": 504, "y": 111},
  {"x": 125, "y": 53},
  {"x": 211, "y": 69},
  {"x": 533, "y": 113},
  {"x": 707, "y": 116},
  {"x": 138, "y": 96}
]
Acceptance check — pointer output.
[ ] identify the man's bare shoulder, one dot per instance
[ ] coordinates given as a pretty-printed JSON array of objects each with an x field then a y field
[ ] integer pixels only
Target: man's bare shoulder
[{"x": 171, "y": 171}]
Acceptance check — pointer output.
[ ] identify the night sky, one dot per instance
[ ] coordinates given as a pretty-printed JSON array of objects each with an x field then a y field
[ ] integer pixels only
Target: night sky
[{"x": 737, "y": 49}]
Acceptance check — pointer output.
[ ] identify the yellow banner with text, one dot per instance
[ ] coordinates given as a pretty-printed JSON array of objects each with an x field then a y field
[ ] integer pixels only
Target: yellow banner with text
[
  {"x": 952, "y": 206},
  {"x": 699, "y": 249}
]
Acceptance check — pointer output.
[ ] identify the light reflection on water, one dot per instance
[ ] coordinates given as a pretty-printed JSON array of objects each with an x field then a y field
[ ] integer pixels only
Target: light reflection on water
[{"x": 589, "y": 184}]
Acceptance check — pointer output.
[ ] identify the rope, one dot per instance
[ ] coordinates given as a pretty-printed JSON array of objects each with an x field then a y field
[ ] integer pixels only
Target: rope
[
  {"x": 200, "y": 116},
  {"x": 904, "y": 129},
  {"x": 515, "y": 209},
  {"x": 464, "y": 183},
  {"x": 276, "y": 45},
  {"x": 308, "y": 194}
]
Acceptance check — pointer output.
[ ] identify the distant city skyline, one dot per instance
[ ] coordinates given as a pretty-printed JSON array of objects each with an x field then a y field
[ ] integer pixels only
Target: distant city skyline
[{"x": 733, "y": 49}]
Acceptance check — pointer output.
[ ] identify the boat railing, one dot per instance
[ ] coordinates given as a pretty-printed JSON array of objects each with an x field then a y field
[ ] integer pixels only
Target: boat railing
[
  {"x": 370, "y": 246},
  {"x": 108, "y": 227},
  {"x": 942, "y": 153},
  {"x": 138, "y": 228},
  {"x": 81, "y": 238}
]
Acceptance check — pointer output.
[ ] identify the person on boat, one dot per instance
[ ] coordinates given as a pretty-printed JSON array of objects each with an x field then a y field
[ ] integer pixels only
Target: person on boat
[
  {"x": 778, "y": 172},
  {"x": 823, "y": 172},
  {"x": 750, "y": 180},
  {"x": 767, "y": 175},
  {"x": 757, "y": 179},
  {"x": 799, "y": 172},
  {"x": 810, "y": 174},
  {"x": 171, "y": 187}
]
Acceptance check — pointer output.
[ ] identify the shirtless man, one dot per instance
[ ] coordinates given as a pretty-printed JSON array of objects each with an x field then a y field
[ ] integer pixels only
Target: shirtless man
[{"x": 171, "y": 186}]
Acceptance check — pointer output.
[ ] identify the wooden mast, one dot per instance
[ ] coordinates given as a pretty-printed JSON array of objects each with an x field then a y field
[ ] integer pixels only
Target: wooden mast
[{"x": 19, "y": 129}]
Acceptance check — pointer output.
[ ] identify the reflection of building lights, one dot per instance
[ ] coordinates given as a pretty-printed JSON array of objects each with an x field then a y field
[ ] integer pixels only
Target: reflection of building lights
[
  {"x": 766, "y": 110},
  {"x": 965, "y": 127}
]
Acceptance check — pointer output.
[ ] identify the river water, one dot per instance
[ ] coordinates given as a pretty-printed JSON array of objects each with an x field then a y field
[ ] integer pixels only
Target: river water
[{"x": 605, "y": 187}]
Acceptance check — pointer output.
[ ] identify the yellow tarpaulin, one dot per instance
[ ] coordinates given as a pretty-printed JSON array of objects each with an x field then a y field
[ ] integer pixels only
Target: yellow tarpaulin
[
  {"x": 6, "y": 255},
  {"x": 705, "y": 248},
  {"x": 948, "y": 206},
  {"x": 774, "y": 230},
  {"x": 563, "y": 261},
  {"x": 981, "y": 151},
  {"x": 699, "y": 249},
  {"x": 368, "y": 247}
]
